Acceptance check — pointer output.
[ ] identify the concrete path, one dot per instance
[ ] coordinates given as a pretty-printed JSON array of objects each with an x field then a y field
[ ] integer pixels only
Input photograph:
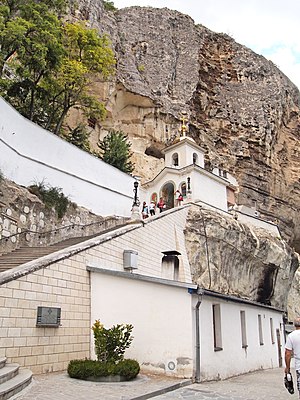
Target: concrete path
[{"x": 261, "y": 385}]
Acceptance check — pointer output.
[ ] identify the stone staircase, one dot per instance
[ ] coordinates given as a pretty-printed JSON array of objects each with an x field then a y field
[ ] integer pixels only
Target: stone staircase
[
  {"x": 13, "y": 379},
  {"x": 25, "y": 254}
]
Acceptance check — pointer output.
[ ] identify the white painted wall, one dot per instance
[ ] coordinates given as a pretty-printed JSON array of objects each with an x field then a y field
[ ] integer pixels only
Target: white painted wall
[
  {"x": 185, "y": 150},
  {"x": 260, "y": 223},
  {"x": 234, "y": 359},
  {"x": 31, "y": 154},
  {"x": 157, "y": 235},
  {"x": 205, "y": 187},
  {"x": 209, "y": 190},
  {"x": 160, "y": 314}
]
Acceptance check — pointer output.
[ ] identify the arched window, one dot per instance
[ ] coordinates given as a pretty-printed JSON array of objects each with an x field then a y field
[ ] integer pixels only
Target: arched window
[
  {"x": 154, "y": 197},
  {"x": 183, "y": 189},
  {"x": 175, "y": 161},
  {"x": 195, "y": 158},
  {"x": 167, "y": 193}
]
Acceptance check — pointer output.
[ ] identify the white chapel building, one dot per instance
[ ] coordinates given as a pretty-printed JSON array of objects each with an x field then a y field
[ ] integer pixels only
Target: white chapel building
[{"x": 184, "y": 171}]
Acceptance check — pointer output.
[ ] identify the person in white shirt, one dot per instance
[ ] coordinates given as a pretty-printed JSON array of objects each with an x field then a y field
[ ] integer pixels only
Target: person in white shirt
[
  {"x": 152, "y": 208},
  {"x": 293, "y": 346}
]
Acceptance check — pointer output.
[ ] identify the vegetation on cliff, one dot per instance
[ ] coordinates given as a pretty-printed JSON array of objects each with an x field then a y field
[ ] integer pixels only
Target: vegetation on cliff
[
  {"x": 47, "y": 64},
  {"x": 115, "y": 150}
]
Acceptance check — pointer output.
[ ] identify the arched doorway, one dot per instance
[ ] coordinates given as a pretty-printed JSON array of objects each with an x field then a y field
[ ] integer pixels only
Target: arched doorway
[{"x": 167, "y": 193}]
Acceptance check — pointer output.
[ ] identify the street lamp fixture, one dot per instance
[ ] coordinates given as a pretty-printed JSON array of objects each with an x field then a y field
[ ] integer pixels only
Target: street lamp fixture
[{"x": 135, "y": 200}]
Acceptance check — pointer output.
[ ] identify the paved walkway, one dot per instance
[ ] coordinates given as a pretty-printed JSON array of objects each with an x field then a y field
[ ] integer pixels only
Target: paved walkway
[{"x": 261, "y": 385}]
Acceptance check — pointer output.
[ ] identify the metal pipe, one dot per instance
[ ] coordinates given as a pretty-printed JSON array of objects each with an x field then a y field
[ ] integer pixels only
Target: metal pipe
[{"x": 197, "y": 321}]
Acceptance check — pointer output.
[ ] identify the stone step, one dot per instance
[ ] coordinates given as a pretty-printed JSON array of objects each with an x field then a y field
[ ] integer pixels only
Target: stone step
[
  {"x": 2, "y": 361},
  {"x": 16, "y": 384},
  {"x": 8, "y": 372},
  {"x": 23, "y": 255}
]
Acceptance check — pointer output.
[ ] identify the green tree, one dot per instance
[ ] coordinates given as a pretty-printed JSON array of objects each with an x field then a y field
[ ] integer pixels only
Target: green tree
[
  {"x": 109, "y": 5},
  {"x": 36, "y": 58},
  {"x": 22, "y": 22},
  {"x": 88, "y": 56},
  {"x": 115, "y": 150},
  {"x": 79, "y": 136},
  {"x": 51, "y": 64}
]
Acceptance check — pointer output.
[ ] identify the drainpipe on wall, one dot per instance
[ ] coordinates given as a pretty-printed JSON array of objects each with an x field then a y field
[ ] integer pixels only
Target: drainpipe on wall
[{"x": 197, "y": 321}]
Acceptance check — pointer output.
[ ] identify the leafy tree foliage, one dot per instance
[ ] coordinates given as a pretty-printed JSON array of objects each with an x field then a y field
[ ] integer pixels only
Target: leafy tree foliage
[
  {"x": 31, "y": 48},
  {"x": 109, "y": 5},
  {"x": 46, "y": 66},
  {"x": 111, "y": 344},
  {"x": 115, "y": 150},
  {"x": 79, "y": 136}
]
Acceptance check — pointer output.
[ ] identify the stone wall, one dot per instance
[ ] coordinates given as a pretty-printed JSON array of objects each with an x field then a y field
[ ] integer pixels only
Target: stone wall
[
  {"x": 64, "y": 284},
  {"x": 26, "y": 221}
]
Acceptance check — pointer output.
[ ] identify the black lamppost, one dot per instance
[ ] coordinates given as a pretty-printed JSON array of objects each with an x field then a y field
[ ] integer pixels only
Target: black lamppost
[
  {"x": 135, "y": 214},
  {"x": 136, "y": 201},
  {"x": 189, "y": 192}
]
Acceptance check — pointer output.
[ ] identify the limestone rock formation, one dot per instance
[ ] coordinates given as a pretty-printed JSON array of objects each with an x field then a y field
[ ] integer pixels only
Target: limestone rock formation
[
  {"x": 243, "y": 260},
  {"x": 241, "y": 108},
  {"x": 293, "y": 298}
]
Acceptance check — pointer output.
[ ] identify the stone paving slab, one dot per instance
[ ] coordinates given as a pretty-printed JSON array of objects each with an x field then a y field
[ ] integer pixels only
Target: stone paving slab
[
  {"x": 59, "y": 386},
  {"x": 260, "y": 385}
]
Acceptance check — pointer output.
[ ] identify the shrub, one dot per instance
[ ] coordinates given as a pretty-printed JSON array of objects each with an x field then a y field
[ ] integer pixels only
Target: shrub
[
  {"x": 52, "y": 197},
  {"x": 109, "y": 5},
  {"x": 111, "y": 344},
  {"x": 1, "y": 176},
  {"x": 127, "y": 368},
  {"x": 84, "y": 369}
]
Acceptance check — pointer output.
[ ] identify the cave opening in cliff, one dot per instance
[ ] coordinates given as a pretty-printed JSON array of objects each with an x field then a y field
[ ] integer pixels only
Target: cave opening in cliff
[{"x": 266, "y": 285}]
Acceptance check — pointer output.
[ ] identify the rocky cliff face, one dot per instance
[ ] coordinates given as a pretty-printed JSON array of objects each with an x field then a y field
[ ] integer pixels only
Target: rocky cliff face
[
  {"x": 242, "y": 110},
  {"x": 233, "y": 258}
]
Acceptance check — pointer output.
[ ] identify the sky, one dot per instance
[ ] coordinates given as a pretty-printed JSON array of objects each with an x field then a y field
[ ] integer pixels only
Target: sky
[{"x": 268, "y": 27}]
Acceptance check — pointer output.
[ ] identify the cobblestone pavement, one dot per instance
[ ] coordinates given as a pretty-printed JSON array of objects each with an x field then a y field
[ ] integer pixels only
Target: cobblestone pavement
[{"x": 261, "y": 385}]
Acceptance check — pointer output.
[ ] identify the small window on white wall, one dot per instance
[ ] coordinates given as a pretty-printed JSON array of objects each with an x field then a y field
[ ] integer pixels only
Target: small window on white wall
[
  {"x": 260, "y": 331},
  {"x": 217, "y": 327},
  {"x": 243, "y": 329},
  {"x": 195, "y": 158},
  {"x": 272, "y": 331},
  {"x": 175, "y": 160}
]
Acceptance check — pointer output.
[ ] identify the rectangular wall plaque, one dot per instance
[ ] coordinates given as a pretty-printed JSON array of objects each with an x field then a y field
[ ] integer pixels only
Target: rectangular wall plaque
[{"x": 48, "y": 316}]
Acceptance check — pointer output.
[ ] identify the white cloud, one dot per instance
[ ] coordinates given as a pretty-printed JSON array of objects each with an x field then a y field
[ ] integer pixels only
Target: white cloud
[{"x": 261, "y": 25}]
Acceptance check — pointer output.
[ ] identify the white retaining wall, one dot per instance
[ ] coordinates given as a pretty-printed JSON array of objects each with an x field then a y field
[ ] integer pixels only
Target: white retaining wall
[{"x": 30, "y": 154}]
